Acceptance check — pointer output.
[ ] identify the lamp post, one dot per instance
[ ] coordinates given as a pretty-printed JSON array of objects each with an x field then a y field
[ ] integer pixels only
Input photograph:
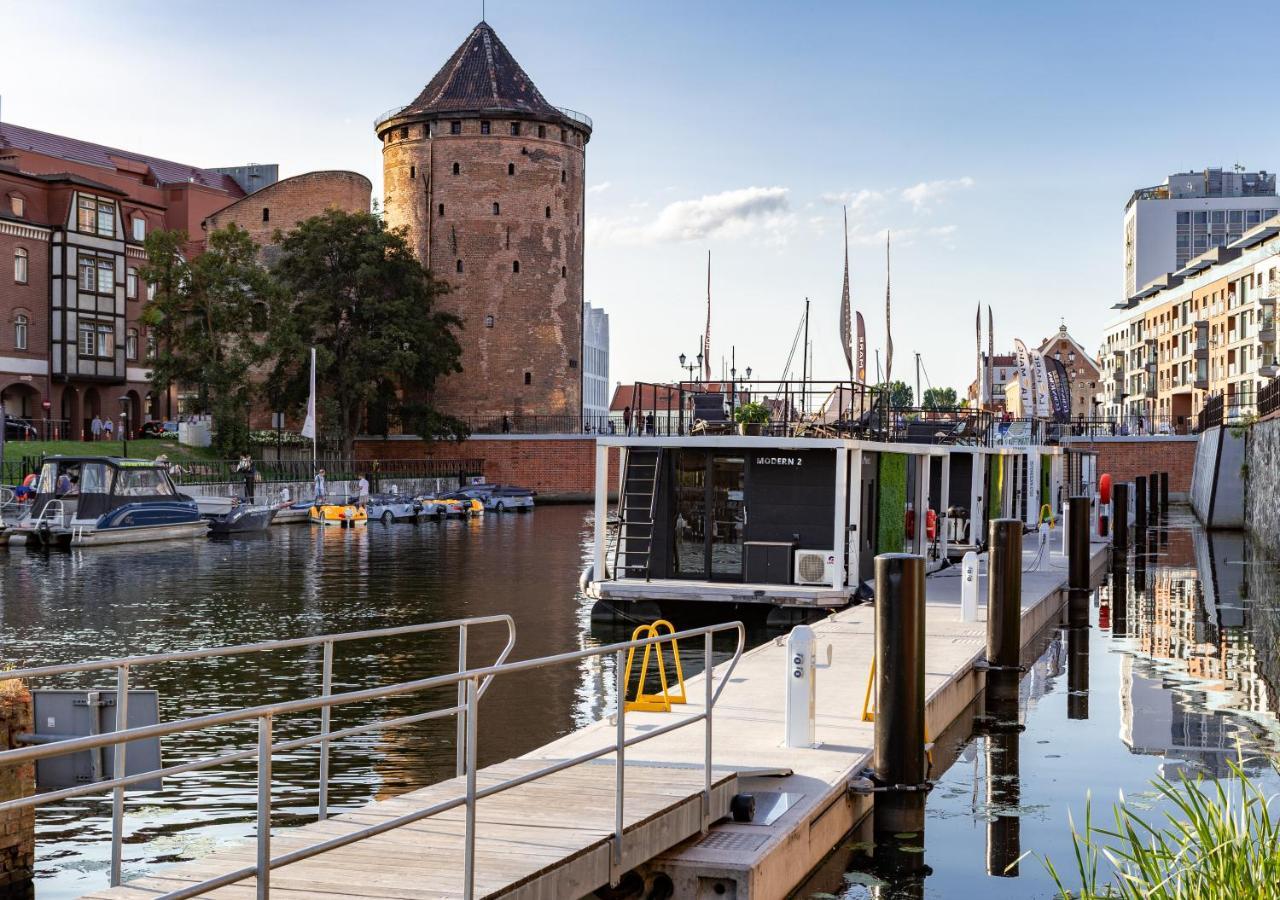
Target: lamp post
[
  {"x": 691, "y": 367},
  {"x": 124, "y": 423}
]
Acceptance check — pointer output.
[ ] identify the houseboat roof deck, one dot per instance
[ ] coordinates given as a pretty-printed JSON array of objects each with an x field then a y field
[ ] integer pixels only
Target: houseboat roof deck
[{"x": 817, "y": 596}]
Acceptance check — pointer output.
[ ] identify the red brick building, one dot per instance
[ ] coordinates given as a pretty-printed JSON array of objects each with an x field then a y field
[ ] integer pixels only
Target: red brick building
[
  {"x": 487, "y": 178},
  {"x": 73, "y": 218}
]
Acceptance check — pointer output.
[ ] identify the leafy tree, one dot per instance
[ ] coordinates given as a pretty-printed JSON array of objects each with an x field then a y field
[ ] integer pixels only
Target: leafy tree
[
  {"x": 206, "y": 317},
  {"x": 899, "y": 393},
  {"x": 354, "y": 290},
  {"x": 941, "y": 398}
]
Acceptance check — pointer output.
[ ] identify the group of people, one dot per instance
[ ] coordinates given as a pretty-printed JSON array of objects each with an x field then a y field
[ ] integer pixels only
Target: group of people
[
  {"x": 101, "y": 428},
  {"x": 322, "y": 489}
]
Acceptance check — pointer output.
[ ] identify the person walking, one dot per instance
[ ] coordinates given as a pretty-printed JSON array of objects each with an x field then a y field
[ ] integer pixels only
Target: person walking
[
  {"x": 626, "y": 418},
  {"x": 95, "y": 428},
  {"x": 362, "y": 491},
  {"x": 321, "y": 488},
  {"x": 106, "y": 429}
]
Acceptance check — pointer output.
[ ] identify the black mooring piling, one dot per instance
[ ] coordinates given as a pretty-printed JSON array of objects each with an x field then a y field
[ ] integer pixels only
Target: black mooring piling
[
  {"x": 1164, "y": 491},
  {"x": 1004, "y": 593},
  {"x": 1120, "y": 516},
  {"x": 1153, "y": 496},
  {"x": 1078, "y": 544},
  {"x": 1140, "y": 503},
  {"x": 1004, "y": 844}
]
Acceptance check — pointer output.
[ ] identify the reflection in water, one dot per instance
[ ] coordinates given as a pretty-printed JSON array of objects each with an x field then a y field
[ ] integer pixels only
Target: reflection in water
[{"x": 1176, "y": 673}]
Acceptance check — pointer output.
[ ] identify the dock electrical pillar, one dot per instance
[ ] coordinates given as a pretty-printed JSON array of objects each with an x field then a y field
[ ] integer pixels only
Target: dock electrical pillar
[
  {"x": 898, "y": 760},
  {"x": 802, "y": 692}
]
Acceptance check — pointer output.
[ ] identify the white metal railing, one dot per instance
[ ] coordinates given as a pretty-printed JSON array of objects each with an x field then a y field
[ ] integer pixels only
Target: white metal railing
[
  {"x": 324, "y": 738},
  {"x": 471, "y": 684}
]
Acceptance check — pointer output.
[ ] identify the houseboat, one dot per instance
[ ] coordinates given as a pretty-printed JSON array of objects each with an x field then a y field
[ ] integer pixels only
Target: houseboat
[
  {"x": 92, "y": 500},
  {"x": 796, "y": 522}
]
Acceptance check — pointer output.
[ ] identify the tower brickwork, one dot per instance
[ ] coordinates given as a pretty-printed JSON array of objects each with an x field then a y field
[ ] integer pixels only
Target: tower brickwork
[{"x": 487, "y": 179}]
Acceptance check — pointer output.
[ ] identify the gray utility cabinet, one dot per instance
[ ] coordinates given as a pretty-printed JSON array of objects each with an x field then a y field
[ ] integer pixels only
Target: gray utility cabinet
[{"x": 769, "y": 562}]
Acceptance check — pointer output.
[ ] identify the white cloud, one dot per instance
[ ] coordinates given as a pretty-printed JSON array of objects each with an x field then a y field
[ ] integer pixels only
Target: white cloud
[
  {"x": 855, "y": 200},
  {"x": 600, "y": 188},
  {"x": 903, "y": 236},
  {"x": 729, "y": 214},
  {"x": 923, "y": 195}
]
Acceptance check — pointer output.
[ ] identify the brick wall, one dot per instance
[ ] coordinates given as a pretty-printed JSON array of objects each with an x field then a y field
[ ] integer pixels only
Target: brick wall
[
  {"x": 535, "y": 327},
  {"x": 1123, "y": 459},
  {"x": 558, "y": 468},
  {"x": 17, "y": 828},
  {"x": 291, "y": 200}
]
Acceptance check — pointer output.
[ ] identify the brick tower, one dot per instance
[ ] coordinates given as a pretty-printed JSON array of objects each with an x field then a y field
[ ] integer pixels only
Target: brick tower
[{"x": 487, "y": 178}]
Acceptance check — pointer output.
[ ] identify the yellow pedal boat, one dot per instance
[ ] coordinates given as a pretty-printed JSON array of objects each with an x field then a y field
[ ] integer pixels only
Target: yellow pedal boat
[{"x": 339, "y": 516}]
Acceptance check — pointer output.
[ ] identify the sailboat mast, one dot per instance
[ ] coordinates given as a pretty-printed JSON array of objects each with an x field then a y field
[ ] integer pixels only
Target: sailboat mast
[{"x": 804, "y": 367}]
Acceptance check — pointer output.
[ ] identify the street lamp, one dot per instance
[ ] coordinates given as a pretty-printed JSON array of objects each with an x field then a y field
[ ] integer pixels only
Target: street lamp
[
  {"x": 124, "y": 423},
  {"x": 691, "y": 367}
]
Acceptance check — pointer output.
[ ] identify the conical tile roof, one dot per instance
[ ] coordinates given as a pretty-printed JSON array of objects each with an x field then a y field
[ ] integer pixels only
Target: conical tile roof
[{"x": 481, "y": 75}]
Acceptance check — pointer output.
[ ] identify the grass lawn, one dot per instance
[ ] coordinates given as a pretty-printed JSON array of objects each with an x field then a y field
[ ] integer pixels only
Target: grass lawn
[{"x": 147, "y": 448}]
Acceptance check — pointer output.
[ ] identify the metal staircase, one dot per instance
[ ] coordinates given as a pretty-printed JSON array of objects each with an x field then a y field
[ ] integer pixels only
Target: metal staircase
[{"x": 633, "y": 555}]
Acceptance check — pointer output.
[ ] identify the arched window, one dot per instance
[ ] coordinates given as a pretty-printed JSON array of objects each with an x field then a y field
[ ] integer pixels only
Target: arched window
[
  {"x": 440, "y": 209},
  {"x": 496, "y": 209},
  {"x": 564, "y": 272},
  {"x": 456, "y": 168},
  {"x": 20, "y": 323},
  {"x": 20, "y": 261},
  {"x": 131, "y": 344},
  {"x": 511, "y": 168},
  {"x": 563, "y": 176},
  {"x": 458, "y": 267},
  {"x": 515, "y": 266}
]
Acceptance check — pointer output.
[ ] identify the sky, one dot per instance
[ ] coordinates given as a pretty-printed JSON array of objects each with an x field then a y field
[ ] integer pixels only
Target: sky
[{"x": 997, "y": 142}]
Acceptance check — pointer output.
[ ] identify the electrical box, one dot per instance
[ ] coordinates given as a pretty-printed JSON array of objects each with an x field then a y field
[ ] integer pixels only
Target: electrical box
[
  {"x": 61, "y": 715},
  {"x": 802, "y": 693}
]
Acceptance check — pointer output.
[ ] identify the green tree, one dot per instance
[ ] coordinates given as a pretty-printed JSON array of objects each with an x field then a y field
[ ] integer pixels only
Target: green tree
[
  {"x": 206, "y": 316},
  {"x": 354, "y": 290},
  {"x": 899, "y": 393},
  {"x": 940, "y": 398}
]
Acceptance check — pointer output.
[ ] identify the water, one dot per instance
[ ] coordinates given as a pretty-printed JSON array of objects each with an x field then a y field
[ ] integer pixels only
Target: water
[
  {"x": 1180, "y": 677},
  {"x": 1187, "y": 683}
]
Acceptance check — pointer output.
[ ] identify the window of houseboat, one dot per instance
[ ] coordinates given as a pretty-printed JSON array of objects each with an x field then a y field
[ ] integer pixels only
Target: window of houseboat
[
  {"x": 143, "y": 483},
  {"x": 95, "y": 478},
  {"x": 710, "y": 515}
]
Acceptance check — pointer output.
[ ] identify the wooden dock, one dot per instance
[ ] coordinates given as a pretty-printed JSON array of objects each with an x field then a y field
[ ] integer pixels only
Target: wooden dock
[{"x": 552, "y": 838}]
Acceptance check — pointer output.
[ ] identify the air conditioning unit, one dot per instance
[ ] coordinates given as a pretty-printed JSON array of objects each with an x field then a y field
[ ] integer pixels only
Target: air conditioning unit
[{"x": 815, "y": 566}]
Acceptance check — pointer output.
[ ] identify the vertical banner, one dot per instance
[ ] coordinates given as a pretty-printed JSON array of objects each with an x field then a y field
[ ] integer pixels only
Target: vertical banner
[
  {"x": 980, "y": 392},
  {"x": 846, "y": 325},
  {"x": 1059, "y": 390},
  {"x": 991, "y": 356},
  {"x": 1025, "y": 386},
  {"x": 1044, "y": 408},
  {"x": 861, "y": 357},
  {"x": 888, "y": 331}
]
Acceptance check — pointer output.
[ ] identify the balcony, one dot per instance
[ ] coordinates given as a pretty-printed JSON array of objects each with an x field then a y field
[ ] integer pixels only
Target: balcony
[
  {"x": 1267, "y": 330},
  {"x": 1269, "y": 367}
]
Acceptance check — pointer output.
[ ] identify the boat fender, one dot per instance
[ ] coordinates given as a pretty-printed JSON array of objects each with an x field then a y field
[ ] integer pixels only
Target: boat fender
[
  {"x": 584, "y": 580},
  {"x": 931, "y": 525},
  {"x": 1104, "y": 489}
]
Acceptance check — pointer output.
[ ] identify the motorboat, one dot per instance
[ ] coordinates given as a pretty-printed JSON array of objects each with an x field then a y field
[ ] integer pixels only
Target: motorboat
[
  {"x": 391, "y": 508},
  {"x": 339, "y": 515},
  {"x": 440, "y": 506},
  {"x": 471, "y": 506},
  {"x": 501, "y": 497},
  {"x": 90, "y": 500},
  {"x": 241, "y": 518}
]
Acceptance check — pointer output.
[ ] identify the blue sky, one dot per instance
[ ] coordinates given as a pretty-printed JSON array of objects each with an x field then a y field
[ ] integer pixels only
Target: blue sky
[{"x": 999, "y": 142}]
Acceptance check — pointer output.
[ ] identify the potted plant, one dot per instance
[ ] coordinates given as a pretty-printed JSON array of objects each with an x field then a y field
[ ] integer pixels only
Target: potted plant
[{"x": 751, "y": 417}]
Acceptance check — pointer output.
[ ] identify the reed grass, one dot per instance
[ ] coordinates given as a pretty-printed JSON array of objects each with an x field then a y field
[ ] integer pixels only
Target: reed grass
[{"x": 1219, "y": 839}]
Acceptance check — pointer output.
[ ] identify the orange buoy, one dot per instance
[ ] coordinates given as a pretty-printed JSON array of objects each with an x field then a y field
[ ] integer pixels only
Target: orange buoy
[{"x": 1104, "y": 488}]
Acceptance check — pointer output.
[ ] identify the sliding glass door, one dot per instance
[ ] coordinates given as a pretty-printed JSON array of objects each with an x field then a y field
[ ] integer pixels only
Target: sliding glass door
[{"x": 710, "y": 515}]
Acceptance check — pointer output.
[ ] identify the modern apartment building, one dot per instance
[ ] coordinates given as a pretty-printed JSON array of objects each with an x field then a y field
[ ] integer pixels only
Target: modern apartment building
[
  {"x": 1167, "y": 225},
  {"x": 595, "y": 368},
  {"x": 1207, "y": 328}
]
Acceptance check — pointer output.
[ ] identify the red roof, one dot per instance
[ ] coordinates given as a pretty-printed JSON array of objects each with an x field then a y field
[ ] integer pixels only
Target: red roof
[{"x": 162, "y": 170}]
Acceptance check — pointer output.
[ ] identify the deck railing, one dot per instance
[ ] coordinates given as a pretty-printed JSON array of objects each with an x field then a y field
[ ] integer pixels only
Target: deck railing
[{"x": 470, "y": 683}]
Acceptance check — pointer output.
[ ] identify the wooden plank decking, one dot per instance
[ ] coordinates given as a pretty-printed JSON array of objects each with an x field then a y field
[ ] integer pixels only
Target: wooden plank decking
[{"x": 550, "y": 838}]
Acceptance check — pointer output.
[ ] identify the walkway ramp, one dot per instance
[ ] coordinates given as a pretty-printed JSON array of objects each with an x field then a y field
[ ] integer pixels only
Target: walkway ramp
[{"x": 550, "y": 838}]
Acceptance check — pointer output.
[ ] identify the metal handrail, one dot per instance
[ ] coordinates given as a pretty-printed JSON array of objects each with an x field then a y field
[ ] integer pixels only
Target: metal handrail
[
  {"x": 469, "y": 681},
  {"x": 325, "y": 737}
]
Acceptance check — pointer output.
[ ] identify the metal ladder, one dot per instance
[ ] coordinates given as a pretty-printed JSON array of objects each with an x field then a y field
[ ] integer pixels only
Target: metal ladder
[{"x": 634, "y": 549}]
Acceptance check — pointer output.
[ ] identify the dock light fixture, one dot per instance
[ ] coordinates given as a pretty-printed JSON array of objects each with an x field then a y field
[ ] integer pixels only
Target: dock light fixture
[
  {"x": 691, "y": 367},
  {"x": 124, "y": 423}
]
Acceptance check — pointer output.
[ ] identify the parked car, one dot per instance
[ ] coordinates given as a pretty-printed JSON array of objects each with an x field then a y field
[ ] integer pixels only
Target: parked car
[
  {"x": 18, "y": 429},
  {"x": 155, "y": 428}
]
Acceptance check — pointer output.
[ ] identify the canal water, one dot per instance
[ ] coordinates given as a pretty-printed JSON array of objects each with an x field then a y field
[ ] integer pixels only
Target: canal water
[{"x": 1183, "y": 683}]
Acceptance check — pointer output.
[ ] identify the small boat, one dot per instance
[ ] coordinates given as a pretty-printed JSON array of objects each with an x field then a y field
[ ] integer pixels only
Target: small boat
[
  {"x": 241, "y": 518},
  {"x": 472, "y": 506},
  {"x": 90, "y": 500},
  {"x": 339, "y": 516},
  {"x": 391, "y": 508},
  {"x": 441, "y": 507},
  {"x": 501, "y": 497}
]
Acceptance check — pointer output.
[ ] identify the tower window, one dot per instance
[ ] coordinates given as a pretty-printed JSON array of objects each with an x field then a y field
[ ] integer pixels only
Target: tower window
[
  {"x": 455, "y": 127},
  {"x": 528, "y": 378},
  {"x": 266, "y": 214},
  {"x": 511, "y": 168},
  {"x": 564, "y": 272},
  {"x": 404, "y": 132},
  {"x": 564, "y": 135},
  {"x": 456, "y": 168},
  {"x": 496, "y": 209},
  {"x": 488, "y": 321},
  {"x": 542, "y": 131},
  {"x": 413, "y": 172},
  {"x": 563, "y": 176},
  {"x": 484, "y": 127},
  {"x": 440, "y": 210},
  {"x": 458, "y": 267},
  {"x": 548, "y": 212},
  {"x": 515, "y": 266},
  {"x": 515, "y": 129}
]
